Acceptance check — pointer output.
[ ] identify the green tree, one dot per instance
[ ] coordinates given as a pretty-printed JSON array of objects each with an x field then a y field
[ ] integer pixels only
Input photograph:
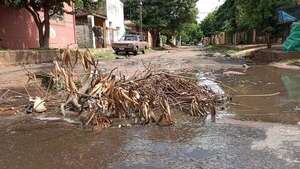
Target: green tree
[
  {"x": 243, "y": 15},
  {"x": 191, "y": 33},
  {"x": 89, "y": 5},
  {"x": 159, "y": 16},
  {"x": 227, "y": 15},
  {"x": 209, "y": 25},
  {"x": 262, "y": 15}
]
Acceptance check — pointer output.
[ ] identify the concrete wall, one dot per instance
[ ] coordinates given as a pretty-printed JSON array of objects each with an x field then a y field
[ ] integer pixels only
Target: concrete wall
[
  {"x": 115, "y": 20},
  {"x": 19, "y": 57},
  {"x": 84, "y": 36},
  {"x": 218, "y": 39},
  {"x": 19, "y": 31}
]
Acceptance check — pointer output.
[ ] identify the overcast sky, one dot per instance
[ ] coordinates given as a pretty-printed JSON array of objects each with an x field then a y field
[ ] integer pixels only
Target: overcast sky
[{"x": 206, "y": 6}]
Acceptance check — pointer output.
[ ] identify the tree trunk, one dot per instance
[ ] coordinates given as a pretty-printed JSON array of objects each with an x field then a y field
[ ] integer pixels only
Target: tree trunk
[
  {"x": 234, "y": 39},
  {"x": 155, "y": 38},
  {"x": 46, "y": 33},
  {"x": 269, "y": 43},
  {"x": 254, "y": 36},
  {"x": 41, "y": 35},
  {"x": 210, "y": 40},
  {"x": 43, "y": 26}
]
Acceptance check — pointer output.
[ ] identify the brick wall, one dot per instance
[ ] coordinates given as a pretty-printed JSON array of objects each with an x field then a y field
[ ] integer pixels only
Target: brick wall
[{"x": 19, "y": 57}]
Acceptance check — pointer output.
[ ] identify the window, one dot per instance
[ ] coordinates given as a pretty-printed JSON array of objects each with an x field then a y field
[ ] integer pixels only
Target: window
[{"x": 131, "y": 38}]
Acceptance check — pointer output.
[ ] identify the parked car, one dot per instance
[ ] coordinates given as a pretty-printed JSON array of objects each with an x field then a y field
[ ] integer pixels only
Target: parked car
[{"x": 130, "y": 43}]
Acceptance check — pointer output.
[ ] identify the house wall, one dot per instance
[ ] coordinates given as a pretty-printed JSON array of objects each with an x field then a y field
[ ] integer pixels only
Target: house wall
[
  {"x": 19, "y": 31},
  {"x": 63, "y": 33},
  {"x": 115, "y": 20}
]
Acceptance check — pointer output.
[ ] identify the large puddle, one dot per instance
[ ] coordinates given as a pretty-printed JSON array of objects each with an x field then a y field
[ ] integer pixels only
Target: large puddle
[
  {"x": 33, "y": 144},
  {"x": 265, "y": 94}
]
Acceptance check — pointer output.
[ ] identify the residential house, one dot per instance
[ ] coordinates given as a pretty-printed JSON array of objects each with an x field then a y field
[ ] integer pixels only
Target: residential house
[
  {"x": 19, "y": 31},
  {"x": 115, "y": 20},
  {"x": 100, "y": 28},
  {"x": 91, "y": 28}
]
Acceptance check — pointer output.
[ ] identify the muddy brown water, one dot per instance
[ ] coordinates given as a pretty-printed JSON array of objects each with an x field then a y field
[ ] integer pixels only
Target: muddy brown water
[
  {"x": 265, "y": 94},
  {"x": 27, "y": 143}
]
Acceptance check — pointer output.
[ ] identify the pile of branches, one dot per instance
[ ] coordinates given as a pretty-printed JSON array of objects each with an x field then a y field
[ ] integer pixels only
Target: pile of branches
[{"x": 146, "y": 97}]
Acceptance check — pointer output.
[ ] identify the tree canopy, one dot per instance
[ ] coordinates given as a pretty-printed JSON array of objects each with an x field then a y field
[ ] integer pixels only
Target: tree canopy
[
  {"x": 90, "y": 5},
  {"x": 167, "y": 17},
  {"x": 239, "y": 15},
  {"x": 191, "y": 33}
]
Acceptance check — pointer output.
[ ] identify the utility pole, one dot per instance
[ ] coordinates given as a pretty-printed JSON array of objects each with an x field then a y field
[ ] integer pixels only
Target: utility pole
[{"x": 141, "y": 18}]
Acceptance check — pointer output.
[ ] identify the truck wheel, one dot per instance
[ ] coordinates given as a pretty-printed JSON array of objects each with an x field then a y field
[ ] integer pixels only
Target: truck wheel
[
  {"x": 135, "y": 53},
  {"x": 117, "y": 53},
  {"x": 143, "y": 51}
]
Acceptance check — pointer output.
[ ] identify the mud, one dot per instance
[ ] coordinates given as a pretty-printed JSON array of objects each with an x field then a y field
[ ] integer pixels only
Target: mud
[
  {"x": 256, "y": 132},
  {"x": 260, "y": 80}
]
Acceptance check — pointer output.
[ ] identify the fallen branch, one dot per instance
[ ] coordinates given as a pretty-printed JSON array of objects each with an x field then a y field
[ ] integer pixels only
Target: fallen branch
[{"x": 259, "y": 95}]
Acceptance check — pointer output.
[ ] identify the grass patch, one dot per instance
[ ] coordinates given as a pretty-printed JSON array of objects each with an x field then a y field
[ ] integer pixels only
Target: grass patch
[
  {"x": 222, "y": 49},
  {"x": 102, "y": 54},
  {"x": 158, "y": 49}
]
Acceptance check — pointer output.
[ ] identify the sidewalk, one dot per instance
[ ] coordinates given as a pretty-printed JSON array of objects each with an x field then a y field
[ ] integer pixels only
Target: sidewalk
[
  {"x": 15, "y": 76},
  {"x": 241, "y": 51}
]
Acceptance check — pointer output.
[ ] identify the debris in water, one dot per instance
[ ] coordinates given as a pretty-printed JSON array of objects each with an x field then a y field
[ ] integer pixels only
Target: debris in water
[
  {"x": 208, "y": 80},
  {"x": 38, "y": 104},
  {"x": 42, "y": 118},
  {"x": 246, "y": 66},
  {"x": 233, "y": 73},
  {"x": 297, "y": 108}
]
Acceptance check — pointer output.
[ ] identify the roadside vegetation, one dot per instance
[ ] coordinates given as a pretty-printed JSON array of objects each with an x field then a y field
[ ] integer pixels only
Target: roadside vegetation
[
  {"x": 103, "y": 54},
  {"x": 246, "y": 15},
  {"x": 228, "y": 50}
]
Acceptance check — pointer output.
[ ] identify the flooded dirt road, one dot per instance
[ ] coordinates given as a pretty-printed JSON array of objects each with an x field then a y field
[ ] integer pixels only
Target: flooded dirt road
[
  {"x": 266, "y": 94},
  {"x": 255, "y": 131}
]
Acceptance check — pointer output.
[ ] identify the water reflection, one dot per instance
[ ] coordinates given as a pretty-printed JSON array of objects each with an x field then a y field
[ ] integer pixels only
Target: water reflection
[
  {"x": 292, "y": 85},
  {"x": 261, "y": 80}
]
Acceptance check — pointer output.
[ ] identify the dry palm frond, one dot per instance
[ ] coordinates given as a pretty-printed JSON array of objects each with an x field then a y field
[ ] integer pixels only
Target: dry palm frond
[{"x": 147, "y": 97}]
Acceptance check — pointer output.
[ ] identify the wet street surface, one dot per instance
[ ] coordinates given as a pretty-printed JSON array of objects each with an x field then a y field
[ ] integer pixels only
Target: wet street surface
[
  {"x": 258, "y": 129},
  {"x": 188, "y": 144}
]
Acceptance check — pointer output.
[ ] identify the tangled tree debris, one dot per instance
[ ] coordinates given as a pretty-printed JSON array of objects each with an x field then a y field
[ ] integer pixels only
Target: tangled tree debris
[{"x": 146, "y": 97}]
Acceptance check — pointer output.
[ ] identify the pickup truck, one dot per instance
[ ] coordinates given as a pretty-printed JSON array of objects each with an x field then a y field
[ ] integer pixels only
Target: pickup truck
[{"x": 130, "y": 43}]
